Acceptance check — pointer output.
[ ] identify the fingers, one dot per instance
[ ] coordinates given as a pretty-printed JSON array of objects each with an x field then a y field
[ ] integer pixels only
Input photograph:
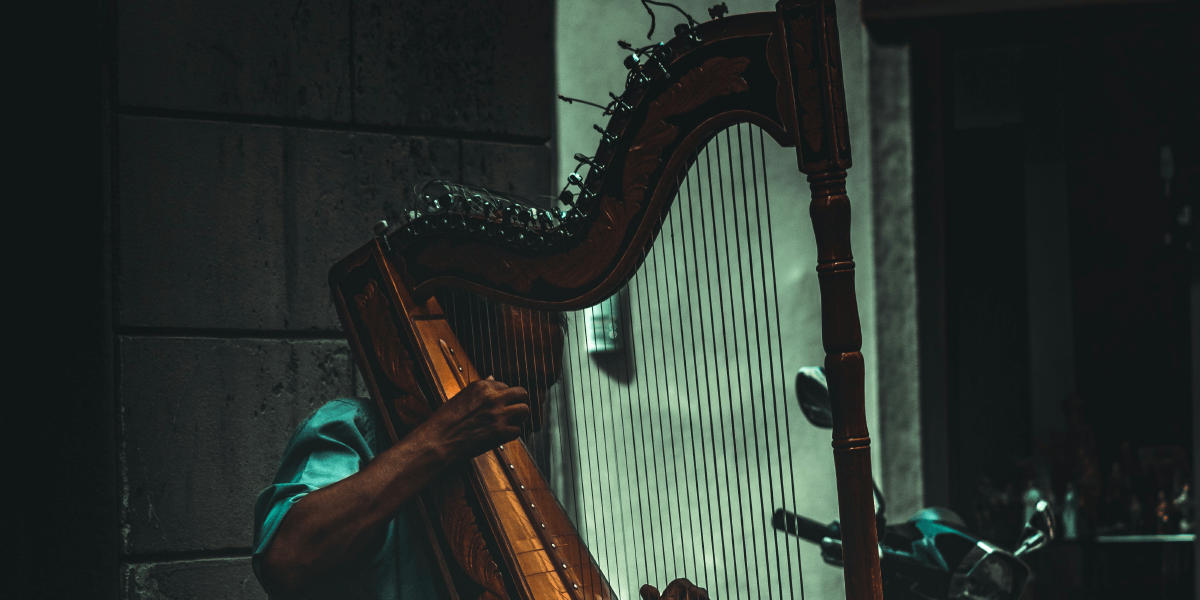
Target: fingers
[
  {"x": 516, "y": 413},
  {"x": 508, "y": 434},
  {"x": 513, "y": 395},
  {"x": 514, "y": 418},
  {"x": 489, "y": 383}
]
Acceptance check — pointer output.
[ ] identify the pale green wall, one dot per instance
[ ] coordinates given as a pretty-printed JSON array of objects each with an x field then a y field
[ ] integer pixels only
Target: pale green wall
[{"x": 588, "y": 66}]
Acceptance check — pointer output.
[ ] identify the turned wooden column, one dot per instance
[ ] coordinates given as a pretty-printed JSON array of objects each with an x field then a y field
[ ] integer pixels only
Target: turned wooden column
[{"x": 841, "y": 336}]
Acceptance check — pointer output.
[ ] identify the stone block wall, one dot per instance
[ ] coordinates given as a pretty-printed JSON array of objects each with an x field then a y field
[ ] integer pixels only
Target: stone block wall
[{"x": 251, "y": 145}]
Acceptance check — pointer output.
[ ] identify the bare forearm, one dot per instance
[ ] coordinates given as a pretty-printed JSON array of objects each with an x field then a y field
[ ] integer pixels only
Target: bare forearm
[{"x": 341, "y": 524}]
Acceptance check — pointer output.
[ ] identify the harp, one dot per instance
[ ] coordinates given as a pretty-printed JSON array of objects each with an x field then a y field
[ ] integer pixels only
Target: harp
[{"x": 428, "y": 302}]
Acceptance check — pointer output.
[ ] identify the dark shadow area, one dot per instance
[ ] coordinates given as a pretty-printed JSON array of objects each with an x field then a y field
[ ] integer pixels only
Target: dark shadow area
[{"x": 1056, "y": 159}]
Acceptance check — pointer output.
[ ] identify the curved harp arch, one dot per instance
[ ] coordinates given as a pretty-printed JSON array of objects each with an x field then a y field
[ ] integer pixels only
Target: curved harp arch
[
  {"x": 494, "y": 529},
  {"x": 729, "y": 77}
]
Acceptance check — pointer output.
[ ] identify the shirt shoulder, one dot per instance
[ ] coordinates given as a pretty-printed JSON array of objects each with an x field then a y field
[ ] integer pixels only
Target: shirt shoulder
[{"x": 351, "y": 421}]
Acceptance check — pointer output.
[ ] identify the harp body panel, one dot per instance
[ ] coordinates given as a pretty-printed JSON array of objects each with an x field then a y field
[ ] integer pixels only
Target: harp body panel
[
  {"x": 779, "y": 71},
  {"x": 494, "y": 524}
]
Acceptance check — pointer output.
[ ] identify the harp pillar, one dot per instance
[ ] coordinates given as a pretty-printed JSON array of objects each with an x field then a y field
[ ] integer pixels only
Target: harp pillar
[{"x": 842, "y": 338}]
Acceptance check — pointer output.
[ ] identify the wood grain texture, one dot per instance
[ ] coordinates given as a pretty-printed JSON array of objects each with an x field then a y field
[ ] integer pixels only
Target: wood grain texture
[
  {"x": 466, "y": 540},
  {"x": 394, "y": 360},
  {"x": 842, "y": 339}
]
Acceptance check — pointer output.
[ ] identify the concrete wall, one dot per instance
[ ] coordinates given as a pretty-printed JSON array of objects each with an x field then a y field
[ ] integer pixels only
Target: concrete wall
[
  {"x": 589, "y": 65},
  {"x": 253, "y": 144},
  {"x": 899, "y": 435}
]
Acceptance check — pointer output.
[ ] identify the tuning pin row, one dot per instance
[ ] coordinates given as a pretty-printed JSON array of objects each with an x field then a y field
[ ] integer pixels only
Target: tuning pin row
[
  {"x": 652, "y": 55},
  {"x": 522, "y": 226}
]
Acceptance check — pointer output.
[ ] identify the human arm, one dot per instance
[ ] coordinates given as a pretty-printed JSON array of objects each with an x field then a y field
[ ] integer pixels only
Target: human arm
[{"x": 341, "y": 524}]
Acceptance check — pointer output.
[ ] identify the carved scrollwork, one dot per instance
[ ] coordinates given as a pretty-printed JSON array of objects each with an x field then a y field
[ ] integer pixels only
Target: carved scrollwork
[
  {"x": 840, "y": 120},
  {"x": 807, "y": 79},
  {"x": 393, "y": 357},
  {"x": 466, "y": 541}
]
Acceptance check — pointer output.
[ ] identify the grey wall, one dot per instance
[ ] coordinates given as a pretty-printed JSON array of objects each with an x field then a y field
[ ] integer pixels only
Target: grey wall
[
  {"x": 252, "y": 144},
  {"x": 899, "y": 438}
]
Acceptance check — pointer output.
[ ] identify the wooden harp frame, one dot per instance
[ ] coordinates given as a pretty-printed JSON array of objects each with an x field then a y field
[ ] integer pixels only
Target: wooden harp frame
[{"x": 494, "y": 528}]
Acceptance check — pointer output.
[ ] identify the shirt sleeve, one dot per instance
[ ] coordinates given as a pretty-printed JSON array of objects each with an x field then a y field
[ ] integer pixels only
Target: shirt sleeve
[{"x": 328, "y": 447}]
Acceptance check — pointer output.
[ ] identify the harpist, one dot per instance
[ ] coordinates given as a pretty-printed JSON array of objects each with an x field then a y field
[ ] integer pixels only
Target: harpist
[{"x": 333, "y": 522}]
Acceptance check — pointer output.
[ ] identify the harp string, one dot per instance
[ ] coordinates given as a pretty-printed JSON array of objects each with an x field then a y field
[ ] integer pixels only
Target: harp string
[
  {"x": 716, "y": 262},
  {"x": 711, "y": 574},
  {"x": 539, "y": 321},
  {"x": 764, "y": 507},
  {"x": 762, "y": 433},
  {"x": 746, "y": 386},
  {"x": 688, "y": 338},
  {"x": 690, "y": 333},
  {"x": 638, "y": 300},
  {"x": 595, "y": 423},
  {"x": 518, "y": 319},
  {"x": 639, "y": 291},
  {"x": 779, "y": 350},
  {"x": 602, "y": 473},
  {"x": 568, "y": 416},
  {"x": 547, "y": 372},
  {"x": 598, "y": 421},
  {"x": 593, "y": 527},
  {"x": 716, "y": 315},
  {"x": 633, "y": 477},
  {"x": 668, "y": 232},
  {"x": 736, "y": 308},
  {"x": 653, "y": 306},
  {"x": 667, "y": 248}
]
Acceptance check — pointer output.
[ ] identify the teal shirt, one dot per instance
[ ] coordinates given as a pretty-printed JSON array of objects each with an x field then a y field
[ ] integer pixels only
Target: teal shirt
[{"x": 335, "y": 442}]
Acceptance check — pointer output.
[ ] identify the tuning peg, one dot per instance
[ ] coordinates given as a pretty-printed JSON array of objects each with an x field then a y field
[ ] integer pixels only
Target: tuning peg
[
  {"x": 619, "y": 106},
  {"x": 584, "y": 196},
  {"x": 567, "y": 198},
  {"x": 608, "y": 138},
  {"x": 654, "y": 58},
  {"x": 575, "y": 179},
  {"x": 685, "y": 30},
  {"x": 596, "y": 167},
  {"x": 631, "y": 61}
]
